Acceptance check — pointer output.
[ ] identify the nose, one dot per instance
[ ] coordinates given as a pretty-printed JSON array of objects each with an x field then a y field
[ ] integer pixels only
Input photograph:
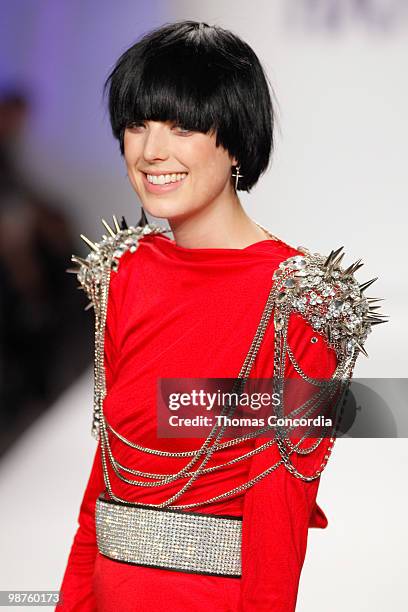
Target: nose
[{"x": 155, "y": 143}]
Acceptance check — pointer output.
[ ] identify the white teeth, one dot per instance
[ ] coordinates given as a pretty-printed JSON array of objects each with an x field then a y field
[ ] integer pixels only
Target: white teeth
[{"x": 162, "y": 179}]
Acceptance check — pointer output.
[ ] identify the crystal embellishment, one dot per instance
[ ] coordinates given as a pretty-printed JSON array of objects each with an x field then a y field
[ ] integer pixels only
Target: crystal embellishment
[
  {"x": 328, "y": 297},
  {"x": 169, "y": 539},
  {"x": 94, "y": 273}
]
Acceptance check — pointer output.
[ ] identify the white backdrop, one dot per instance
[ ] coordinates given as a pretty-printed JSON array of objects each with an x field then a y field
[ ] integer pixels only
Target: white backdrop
[{"x": 338, "y": 177}]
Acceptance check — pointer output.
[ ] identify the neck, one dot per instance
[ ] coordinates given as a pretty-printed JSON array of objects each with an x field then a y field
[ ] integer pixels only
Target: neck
[{"x": 222, "y": 224}]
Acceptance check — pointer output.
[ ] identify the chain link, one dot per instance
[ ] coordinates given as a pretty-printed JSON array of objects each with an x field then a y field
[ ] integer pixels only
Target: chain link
[{"x": 213, "y": 441}]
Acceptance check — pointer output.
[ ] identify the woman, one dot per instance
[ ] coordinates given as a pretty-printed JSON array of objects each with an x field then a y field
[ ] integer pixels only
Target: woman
[{"x": 187, "y": 523}]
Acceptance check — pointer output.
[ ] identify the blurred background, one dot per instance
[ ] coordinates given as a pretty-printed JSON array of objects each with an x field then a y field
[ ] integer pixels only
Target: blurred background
[{"x": 338, "y": 177}]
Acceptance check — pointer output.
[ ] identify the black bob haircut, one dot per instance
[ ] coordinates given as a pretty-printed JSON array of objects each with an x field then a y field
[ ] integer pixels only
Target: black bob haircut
[{"x": 203, "y": 78}]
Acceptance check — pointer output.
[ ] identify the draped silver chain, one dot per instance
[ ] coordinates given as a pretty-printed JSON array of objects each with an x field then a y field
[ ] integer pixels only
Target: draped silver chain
[
  {"x": 326, "y": 296},
  {"x": 213, "y": 441}
]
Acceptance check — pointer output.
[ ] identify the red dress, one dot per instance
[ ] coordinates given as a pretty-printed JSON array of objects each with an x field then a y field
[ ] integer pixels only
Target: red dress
[{"x": 180, "y": 312}]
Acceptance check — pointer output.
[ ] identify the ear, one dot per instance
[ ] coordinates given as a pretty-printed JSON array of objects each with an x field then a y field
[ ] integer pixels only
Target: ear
[{"x": 234, "y": 161}]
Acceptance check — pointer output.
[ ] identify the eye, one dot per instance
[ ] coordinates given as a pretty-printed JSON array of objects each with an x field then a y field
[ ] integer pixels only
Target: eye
[
  {"x": 182, "y": 130},
  {"x": 135, "y": 125}
]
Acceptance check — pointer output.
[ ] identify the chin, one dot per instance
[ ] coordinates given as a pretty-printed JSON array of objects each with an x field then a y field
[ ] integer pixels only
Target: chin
[{"x": 165, "y": 208}]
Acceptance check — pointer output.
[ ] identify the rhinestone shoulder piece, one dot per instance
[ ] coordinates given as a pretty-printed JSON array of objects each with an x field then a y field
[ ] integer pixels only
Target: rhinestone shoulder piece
[
  {"x": 94, "y": 274},
  {"x": 329, "y": 297},
  {"x": 105, "y": 255}
]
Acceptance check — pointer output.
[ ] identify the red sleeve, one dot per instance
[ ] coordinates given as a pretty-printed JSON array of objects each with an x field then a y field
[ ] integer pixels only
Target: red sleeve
[
  {"x": 279, "y": 509},
  {"x": 76, "y": 588}
]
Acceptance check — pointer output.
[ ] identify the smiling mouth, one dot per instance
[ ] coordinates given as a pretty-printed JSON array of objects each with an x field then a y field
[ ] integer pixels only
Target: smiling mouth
[{"x": 164, "y": 179}]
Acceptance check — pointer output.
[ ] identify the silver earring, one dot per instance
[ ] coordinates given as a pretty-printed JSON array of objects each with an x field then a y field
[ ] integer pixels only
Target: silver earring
[{"x": 236, "y": 175}]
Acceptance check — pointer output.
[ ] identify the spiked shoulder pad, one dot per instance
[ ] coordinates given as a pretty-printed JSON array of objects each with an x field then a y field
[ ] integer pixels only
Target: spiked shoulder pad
[
  {"x": 94, "y": 275},
  {"x": 104, "y": 255},
  {"x": 329, "y": 298}
]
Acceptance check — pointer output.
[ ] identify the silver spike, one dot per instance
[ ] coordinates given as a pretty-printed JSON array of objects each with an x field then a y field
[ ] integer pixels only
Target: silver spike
[
  {"x": 80, "y": 260},
  {"x": 373, "y": 318},
  {"x": 375, "y": 314},
  {"x": 362, "y": 349},
  {"x": 89, "y": 243},
  {"x": 375, "y": 321},
  {"x": 357, "y": 268},
  {"x": 332, "y": 255},
  {"x": 353, "y": 268},
  {"x": 143, "y": 219},
  {"x": 108, "y": 227},
  {"x": 336, "y": 262},
  {"x": 88, "y": 306},
  {"x": 365, "y": 285},
  {"x": 72, "y": 270},
  {"x": 115, "y": 221},
  {"x": 329, "y": 258}
]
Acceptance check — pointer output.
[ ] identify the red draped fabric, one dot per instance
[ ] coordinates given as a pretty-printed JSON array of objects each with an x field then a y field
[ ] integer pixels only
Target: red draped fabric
[{"x": 180, "y": 312}]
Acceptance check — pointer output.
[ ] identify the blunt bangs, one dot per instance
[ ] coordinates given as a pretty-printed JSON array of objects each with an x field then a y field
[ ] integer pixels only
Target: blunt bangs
[{"x": 203, "y": 78}]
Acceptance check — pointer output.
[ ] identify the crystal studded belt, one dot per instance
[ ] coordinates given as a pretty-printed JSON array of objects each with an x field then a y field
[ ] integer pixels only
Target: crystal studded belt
[{"x": 169, "y": 539}]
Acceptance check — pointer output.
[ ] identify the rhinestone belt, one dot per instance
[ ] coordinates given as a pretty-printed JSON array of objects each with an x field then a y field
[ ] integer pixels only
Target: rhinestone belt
[{"x": 169, "y": 539}]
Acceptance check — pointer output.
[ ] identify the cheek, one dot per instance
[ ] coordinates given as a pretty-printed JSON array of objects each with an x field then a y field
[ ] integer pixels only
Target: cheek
[
  {"x": 210, "y": 165},
  {"x": 209, "y": 181},
  {"x": 214, "y": 173},
  {"x": 131, "y": 150},
  {"x": 130, "y": 157}
]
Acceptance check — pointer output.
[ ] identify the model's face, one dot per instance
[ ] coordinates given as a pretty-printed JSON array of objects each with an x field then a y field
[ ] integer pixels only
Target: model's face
[{"x": 175, "y": 171}]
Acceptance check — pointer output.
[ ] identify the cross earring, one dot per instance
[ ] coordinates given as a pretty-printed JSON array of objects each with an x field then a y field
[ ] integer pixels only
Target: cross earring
[{"x": 236, "y": 174}]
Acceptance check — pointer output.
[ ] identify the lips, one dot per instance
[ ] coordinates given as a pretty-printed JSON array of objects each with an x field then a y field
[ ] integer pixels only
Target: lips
[
  {"x": 165, "y": 177},
  {"x": 160, "y": 186}
]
